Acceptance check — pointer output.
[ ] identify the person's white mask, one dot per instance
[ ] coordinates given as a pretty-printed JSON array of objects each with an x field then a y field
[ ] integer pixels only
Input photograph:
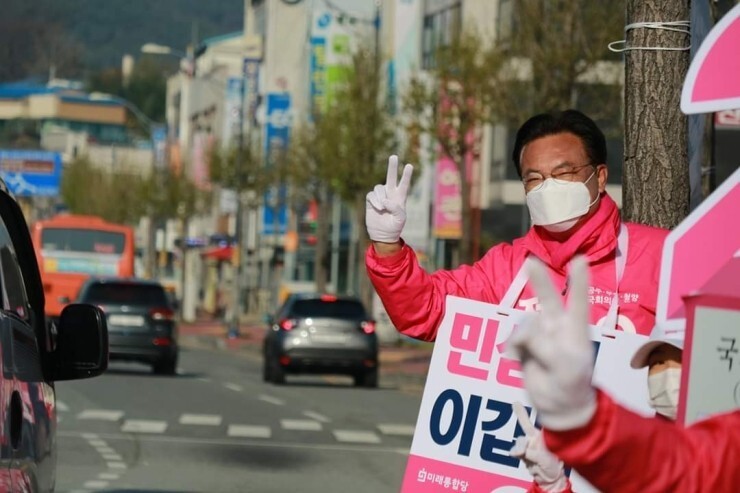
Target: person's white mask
[
  {"x": 663, "y": 388},
  {"x": 557, "y": 205}
]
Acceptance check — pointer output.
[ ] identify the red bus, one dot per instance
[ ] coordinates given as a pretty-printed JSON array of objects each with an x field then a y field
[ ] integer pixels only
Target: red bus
[{"x": 70, "y": 248}]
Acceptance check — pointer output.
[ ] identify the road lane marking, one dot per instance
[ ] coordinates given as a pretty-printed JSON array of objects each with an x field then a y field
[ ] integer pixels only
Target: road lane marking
[
  {"x": 356, "y": 436},
  {"x": 398, "y": 430},
  {"x": 271, "y": 400},
  {"x": 300, "y": 424},
  {"x": 105, "y": 450},
  {"x": 89, "y": 436},
  {"x": 249, "y": 431},
  {"x": 234, "y": 387},
  {"x": 112, "y": 457},
  {"x": 200, "y": 419},
  {"x": 209, "y": 442},
  {"x": 100, "y": 415},
  {"x": 96, "y": 442},
  {"x": 143, "y": 426},
  {"x": 316, "y": 416},
  {"x": 96, "y": 484},
  {"x": 117, "y": 465},
  {"x": 110, "y": 476},
  {"x": 62, "y": 407}
]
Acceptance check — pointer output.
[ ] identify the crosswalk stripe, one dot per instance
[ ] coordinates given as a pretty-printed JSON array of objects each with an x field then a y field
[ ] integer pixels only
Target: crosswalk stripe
[
  {"x": 249, "y": 431},
  {"x": 394, "y": 429},
  {"x": 143, "y": 426},
  {"x": 200, "y": 419},
  {"x": 62, "y": 407},
  {"x": 110, "y": 476},
  {"x": 356, "y": 436},
  {"x": 96, "y": 484},
  {"x": 100, "y": 414},
  {"x": 300, "y": 424},
  {"x": 234, "y": 387},
  {"x": 316, "y": 416},
  {"x": 117, "y": 465},
  {"x": 271, "y": 400}
]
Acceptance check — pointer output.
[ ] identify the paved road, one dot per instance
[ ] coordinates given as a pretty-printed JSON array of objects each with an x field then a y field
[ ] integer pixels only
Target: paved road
[{"x": 216, "y": 427}]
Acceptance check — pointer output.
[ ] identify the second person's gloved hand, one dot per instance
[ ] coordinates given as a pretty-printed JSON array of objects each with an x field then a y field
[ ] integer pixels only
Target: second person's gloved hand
[
  {"x": 385, "y": 206},
  {"x": 546, "y": 469}
]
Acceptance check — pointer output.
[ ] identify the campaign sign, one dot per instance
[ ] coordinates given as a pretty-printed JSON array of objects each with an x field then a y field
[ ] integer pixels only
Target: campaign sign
[
  {"x": 466, "y": 425},
  {"x": 710, "y": 376}
]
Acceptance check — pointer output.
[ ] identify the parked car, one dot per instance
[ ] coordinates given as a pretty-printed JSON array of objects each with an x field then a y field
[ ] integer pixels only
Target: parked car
[
  {"x": 35, "y": 353},
  {"x": 314, "y": 333},
  {"x": 141, "y": 320}
]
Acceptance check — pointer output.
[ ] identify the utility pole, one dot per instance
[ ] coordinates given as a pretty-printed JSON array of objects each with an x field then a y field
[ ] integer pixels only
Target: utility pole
[
  {"x": 656, "y": 164},
  {"x": 237, "y": 248}
]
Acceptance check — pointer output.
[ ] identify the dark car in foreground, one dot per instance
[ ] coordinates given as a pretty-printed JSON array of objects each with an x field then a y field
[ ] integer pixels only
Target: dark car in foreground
[
  {"x": 141, "y": 320},
  {"x": 34, "y": 354},
  {"x": 314, "y": 333}
]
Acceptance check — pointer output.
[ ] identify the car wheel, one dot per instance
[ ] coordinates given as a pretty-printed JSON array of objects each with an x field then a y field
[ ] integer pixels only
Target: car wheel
[
  {"x": 166, "y": 367},
  {"x": 266, "y": 373},
  {"x": 277, "y": 372},
  {"x": 367, "y": 379}
]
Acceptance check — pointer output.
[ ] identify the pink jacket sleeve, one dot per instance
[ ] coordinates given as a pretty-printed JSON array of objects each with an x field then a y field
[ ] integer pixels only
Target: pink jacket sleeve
[
  {"x": 622, "y": 451},
  {"x": 415, "y": 299}
]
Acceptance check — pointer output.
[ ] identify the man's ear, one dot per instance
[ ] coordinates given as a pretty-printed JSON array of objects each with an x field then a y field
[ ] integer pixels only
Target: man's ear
[{"x": 602, "y": 172}]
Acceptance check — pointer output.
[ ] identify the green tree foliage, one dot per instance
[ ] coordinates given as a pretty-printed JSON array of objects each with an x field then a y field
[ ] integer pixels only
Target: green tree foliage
[
  {"x": 86, "y": 189},
  {"x": 245, "y": 169},
  {"x": 553, "y": 57}
]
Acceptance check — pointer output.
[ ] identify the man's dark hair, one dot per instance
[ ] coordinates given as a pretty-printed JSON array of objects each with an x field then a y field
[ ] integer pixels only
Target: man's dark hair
[{"x": 568, "y": 121}]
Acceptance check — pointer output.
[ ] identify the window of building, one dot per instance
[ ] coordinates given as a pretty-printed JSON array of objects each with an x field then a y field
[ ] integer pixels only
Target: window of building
[{"x": 441, "y": 27}]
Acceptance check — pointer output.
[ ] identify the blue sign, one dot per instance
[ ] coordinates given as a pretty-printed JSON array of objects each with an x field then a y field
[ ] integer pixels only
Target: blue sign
[
  {"x": 31, "y": 173},
  {"x": 318, "y": 74},
  {"x": 159, "y": 142},
  {"x": 277, "y": 134}
]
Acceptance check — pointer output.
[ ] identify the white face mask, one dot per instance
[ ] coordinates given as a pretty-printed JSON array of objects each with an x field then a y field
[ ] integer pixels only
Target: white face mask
[
  {"x": 663, "y": 388},
  {"x": 557, "y": 205}
]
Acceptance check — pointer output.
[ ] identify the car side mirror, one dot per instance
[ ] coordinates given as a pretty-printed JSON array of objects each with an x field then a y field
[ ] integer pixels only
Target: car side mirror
[{"x": 81, "y": 342}]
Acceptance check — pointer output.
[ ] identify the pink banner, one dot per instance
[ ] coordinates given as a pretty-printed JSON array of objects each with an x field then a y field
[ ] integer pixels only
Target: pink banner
[{"x": 447, "y": 215}]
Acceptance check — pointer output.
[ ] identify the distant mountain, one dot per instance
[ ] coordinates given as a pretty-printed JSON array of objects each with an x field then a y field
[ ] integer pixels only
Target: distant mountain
[{"x": 108, "y": 29}]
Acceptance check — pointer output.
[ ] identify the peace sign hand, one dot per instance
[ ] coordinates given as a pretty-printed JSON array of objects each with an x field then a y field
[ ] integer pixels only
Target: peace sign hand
[
  {"x": 546, "y": 469},
  {"x": 385, "y": 205},
  {"x": 556, "y": 353}
]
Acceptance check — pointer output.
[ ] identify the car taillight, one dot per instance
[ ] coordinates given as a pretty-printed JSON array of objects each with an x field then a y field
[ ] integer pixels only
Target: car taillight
[
  {"x": 368, "y": 327},
  {"x": 161, "y": 314},
  {"x": 328, "y": 297},
  {"x": 288, "y": 323}
]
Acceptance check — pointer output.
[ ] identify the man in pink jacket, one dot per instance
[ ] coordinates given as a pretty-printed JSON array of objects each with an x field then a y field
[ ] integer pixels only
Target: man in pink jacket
[
  {"x": 612, "y": 447},
  {"x": 561, "y": 159}
]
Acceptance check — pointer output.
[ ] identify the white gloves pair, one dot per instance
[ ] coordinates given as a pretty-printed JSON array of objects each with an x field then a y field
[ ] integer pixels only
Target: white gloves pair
[{"x": 385, "y": 206}]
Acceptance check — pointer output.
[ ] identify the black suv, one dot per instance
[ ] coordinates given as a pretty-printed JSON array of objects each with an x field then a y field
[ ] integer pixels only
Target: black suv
[
  {"x": 141, "y": 320},
  {"x": 34, "y": 354},
  {"x": 313, "y": 333}
]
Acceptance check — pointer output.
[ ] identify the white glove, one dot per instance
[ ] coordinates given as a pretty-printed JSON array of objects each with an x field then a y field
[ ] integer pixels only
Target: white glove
[
  {"x": 556, "y": 353},
  {"x": 385, "y": 206},
  {"x": 546, "y": 469}
]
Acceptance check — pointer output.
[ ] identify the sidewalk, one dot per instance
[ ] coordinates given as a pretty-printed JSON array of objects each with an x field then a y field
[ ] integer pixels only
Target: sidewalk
[{"x": 404, "y": 366}]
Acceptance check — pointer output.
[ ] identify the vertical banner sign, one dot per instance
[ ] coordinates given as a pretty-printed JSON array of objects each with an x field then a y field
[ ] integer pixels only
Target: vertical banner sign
[
  {"x": 322, "y": 21},
  {"x": 277, "y": 133},
  {"x": 251, "y": 88},
  {"x": 159, "y": 144},
  {"x": 447, "y": 220},
  {"x": 31, "y": 173},
  {"x": 232, "y": 120},
  {"x": 466, "y": 425}
]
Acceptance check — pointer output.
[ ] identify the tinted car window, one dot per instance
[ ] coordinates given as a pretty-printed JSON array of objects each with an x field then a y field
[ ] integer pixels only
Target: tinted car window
[
  {"x": 331, "y": 309},
  {"x": 123, "y": 293}
]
